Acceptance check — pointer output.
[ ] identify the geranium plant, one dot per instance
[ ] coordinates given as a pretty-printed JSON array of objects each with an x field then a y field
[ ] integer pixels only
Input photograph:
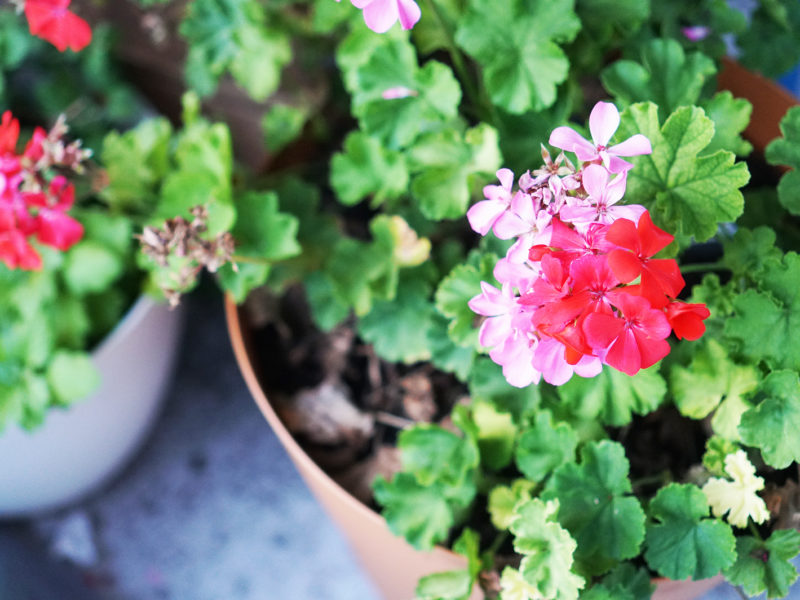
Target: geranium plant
[{"x": 632, "y": 410}]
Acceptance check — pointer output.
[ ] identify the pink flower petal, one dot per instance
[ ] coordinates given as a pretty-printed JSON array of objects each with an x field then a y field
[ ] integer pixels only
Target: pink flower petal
[
  {"x": 603, "y": 122},
  {"x": 568, "y": 139},
  {"x": 409, "y": 13},
  {"x": 380, "y": 15},
  {"x": 634, "y": 146}
]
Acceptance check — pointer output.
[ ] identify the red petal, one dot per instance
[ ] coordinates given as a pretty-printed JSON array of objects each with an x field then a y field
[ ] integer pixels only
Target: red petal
[
  {"x": 50, "y": 20},
  {"x": 58, "y": 230},
  {"x": 652, "y": 239},
  {"x": 623, "y": 233},
  {"x": 600, "y": 330},
  {"x": 9, "y": 133},
  {"x": 650, "y": 351},
  {"x": 625, "y": 265},
  {"x": 624, "y": 354},
  {"x": 15, "y": 251},
  {"x": 565, "y": 238},
  {"x": 686, "y": 320},
  {"x": 661, "y": 276}
]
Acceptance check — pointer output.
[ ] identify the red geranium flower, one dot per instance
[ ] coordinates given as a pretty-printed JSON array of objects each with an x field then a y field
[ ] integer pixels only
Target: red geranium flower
[{"x": 50, "y": 20}]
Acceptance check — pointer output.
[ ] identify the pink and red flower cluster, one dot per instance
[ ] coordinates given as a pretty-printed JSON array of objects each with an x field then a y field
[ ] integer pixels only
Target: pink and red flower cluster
[
  {"x": 52, "y": 21},
  {"x": 580, "y": 286},
  {"x": 33, "y": 201}
]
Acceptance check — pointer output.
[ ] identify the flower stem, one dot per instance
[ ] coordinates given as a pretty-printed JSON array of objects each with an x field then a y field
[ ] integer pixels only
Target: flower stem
[
  {"x": 754, "y": 530},
  {"x": 456, "y": 56},
  {"x": 701, "y": 267}
]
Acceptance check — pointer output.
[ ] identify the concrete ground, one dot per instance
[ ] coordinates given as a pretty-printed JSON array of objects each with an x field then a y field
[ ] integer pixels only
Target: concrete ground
[{"x": 211, "y": 509}]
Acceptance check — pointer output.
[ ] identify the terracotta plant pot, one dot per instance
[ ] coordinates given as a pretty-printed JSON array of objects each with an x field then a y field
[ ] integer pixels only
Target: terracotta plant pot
[
  {"x": 78, "y": 449},
  {"x": 394, "y": 565}
]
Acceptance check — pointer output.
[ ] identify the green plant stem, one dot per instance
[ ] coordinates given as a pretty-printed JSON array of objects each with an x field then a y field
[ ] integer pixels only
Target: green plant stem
[
  {"x": 496, "y": 543},
  {"x": 659, "y": 478},
  {"x": 754, "y": 530},
  {"x": 701, "y": 267},
  {"x": 456, "y": 57},
  {"x": 741, "y": 593}
]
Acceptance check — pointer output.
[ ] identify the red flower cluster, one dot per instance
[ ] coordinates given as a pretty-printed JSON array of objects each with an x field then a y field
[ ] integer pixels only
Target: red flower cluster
[
  {"x": 582, "y": 298},
  {"x": 32, "y": 203},
  {"x": 51, "y": 21}
]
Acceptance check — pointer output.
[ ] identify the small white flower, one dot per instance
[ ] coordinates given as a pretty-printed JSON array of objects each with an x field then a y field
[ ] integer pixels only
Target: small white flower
[{"x": 737, "y": 496}]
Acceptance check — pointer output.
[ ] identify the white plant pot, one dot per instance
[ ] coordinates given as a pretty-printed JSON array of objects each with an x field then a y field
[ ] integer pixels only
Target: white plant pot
[{"x": 81, "y": 447}]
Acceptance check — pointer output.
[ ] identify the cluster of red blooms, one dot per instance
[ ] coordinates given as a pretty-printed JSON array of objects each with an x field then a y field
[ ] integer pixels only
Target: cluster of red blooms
[
  {"x": 581, "y": 298},
  {"x": 52, "y": 21},
  {"x": 34, "y": 201}
]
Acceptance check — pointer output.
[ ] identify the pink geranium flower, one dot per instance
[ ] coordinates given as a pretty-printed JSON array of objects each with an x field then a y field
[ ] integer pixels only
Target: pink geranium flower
[
  {"x": 380, "y": 15},
  {"x": 484, "y": 214},
  {"x": 603, "y": 123}
]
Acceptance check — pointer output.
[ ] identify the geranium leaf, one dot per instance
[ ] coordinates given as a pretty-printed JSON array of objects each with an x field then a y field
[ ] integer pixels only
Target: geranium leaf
[
  {"x": 71, "y": 376},
  {"x": 517, "y": 44},
  {"x": 456, "y": 289},
  {"x": 596, "y": 509},
  {"x": 398, "y": 329},
  {"x": 547, "y": 550},
  {"x": 486, "y": 383},
  {"x": 427, "y": 96},
  {"x": 365, "y": 169},
  {"x": 786, "y": 151},
  {"x": 445, "y": 353},
  {"x": 445, "y": 164},
  {"x": 449, "y": 585},
  {"x": 434, "y": 455},
  {"x": 420, "y": 514},
  {"x": 683, "y": 542},
  {"x": 627, "y": 580},
  {"x": 769, "y": 44},
  {"x": 503, "y": 499},
  {"x": 692, "y": 193},
  {"x": 764, "y": 566},
  {"x": 747, "y": 253},
  {"x": 764, "y": 321},
  {"x": 772, "y": 425},
  {"x": 90, "y": 266},
  {"x": 710, "y": 379},
  {"x": 666, "y": 76},
  {"x": 544, "y": 446},
  {"x": 731, "y": 116},
  {"x": 282, "y": 124},
  {"x": 613, "y": 397},
  {"x": 231, "y": 35},
  {"x": 496, "y": 435}
]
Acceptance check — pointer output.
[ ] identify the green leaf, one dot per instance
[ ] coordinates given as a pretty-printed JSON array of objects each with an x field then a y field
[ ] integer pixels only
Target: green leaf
[
  {"x": 282, "y": 124},
  {"x": 232, "y": 35},
  {"x": 325, "y": 309},
  {"x": 136, "y": 161},
  {"x": 504, "y": 499},
  {"x": 449, "y": 585},
  {"x": 769, "y": 44},
  {"x": 262, "y": 230},
  {"x": 433, "y": 94},
  {"x": 365, "y": 169},
  {"x": 764, "y": 321},
  {"x": 496, "y": 435},
  {"x": 731, "y": 116},
  {"x": 605, "y": 521},
  {"x": 772, "y": 425},
  {"x": 543, "y": 446},
  {"x": 420, "y": 514},
  {"x": 486, "y": 383},
  {"x": 262, "y": 53},
  {"x": 71, "y": 376},
  {"x": 398, "y": 328},
  {"x": 786, "y": 151},
  {"x": 666, "y": 76},
  {"x": 717, "y": 448},
  {"x": 626, "y": 580},
  {"x": 692, "y": 193},
  {"x": 446, "y": 163},
  {"x": 517, "y": 44},
  {"x": 434, "y": 455},
  {"x": 91, "y": 267},
  {"x": 454, "y": 292},
  {"x": 547, "y": 550},
  {"x": 613, "y": 396},
  {"x": 683, "y": 542},
  {"x": 445, "y": 353},
  {"x": 749, "y": 251},
  {"x": 764, "y": 566},
  {"x": 711, "y": 378}
]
